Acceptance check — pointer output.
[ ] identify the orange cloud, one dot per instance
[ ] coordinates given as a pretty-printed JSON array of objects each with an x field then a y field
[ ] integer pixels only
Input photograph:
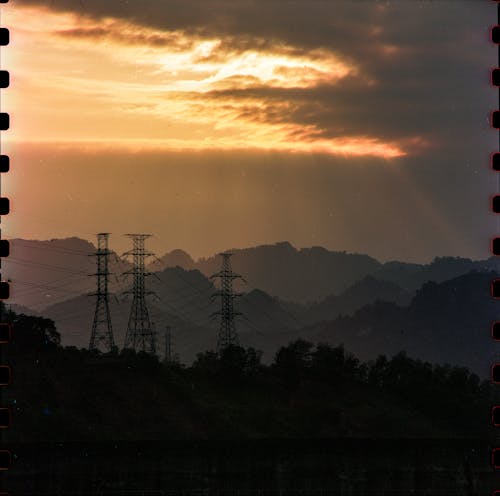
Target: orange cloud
[{"x": 112, "y": 81}]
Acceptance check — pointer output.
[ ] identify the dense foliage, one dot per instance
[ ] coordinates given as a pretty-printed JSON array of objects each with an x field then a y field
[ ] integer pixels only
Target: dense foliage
[{"x": 307, "y": 391}]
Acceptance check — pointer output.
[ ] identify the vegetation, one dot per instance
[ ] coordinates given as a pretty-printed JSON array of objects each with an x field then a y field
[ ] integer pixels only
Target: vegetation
[{"x": 309, "y": 390}]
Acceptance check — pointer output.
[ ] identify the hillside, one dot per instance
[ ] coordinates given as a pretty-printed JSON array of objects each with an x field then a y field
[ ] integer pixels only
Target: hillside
[
  {"x": 446, "y": 322},
  {"x": 368, "y": 290},
  {"x": 307, "y": 392},
  {"x": 442, "y": 321},
  {"x": 412, "y": 276},
  {"x": 182, "y": 300},
  {"x": 309, "y": 275},
  {"x": 47, "y": 272},
  {"x": 301, "y": 275},
  {"x": 377, "y": 314}
]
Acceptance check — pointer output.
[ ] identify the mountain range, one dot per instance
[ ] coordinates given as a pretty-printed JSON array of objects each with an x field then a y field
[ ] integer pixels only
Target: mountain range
[
  {"x": 438, "y": 311},
  {"x": 446, "y": 322},
  {"x": 47, "y": 272}
]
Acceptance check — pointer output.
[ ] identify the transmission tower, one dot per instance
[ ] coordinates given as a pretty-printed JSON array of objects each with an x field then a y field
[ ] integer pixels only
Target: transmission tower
[
  {"x": 140, "y": 334},
  {"x": 102, "y": 332},
  {"x": 227, "y": 331}
]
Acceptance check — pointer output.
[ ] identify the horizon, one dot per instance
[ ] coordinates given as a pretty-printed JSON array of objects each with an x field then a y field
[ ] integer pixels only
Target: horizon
[{"x": 197, "y": 259}]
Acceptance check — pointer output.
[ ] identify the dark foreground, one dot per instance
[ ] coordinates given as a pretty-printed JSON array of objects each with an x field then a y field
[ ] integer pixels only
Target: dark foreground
[{"x": 284, "y": 467}]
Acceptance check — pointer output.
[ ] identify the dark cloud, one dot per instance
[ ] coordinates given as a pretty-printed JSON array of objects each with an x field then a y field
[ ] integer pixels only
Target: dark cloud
[
  {"x": 109, "y": 32},
  {"x": 345, "y": 24},
  {"x": 416, "y": 77}
]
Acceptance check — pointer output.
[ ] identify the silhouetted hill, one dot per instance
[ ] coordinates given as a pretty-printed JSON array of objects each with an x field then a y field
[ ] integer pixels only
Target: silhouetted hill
[
  {"x": 445, "y": 322},
  {"x": 313, "y": 274},
  {"x": 182, "y": 301},
  {"x": 301, "y": 275},
  {"x": 74, "y": 318},
  {"x": 361, "y": 293},
  {"x": 174, "y": 258},
  {"x": 268, "y": 312},
  {"x": 47, "y": 272},
  {"x": 411, "y": 276}
]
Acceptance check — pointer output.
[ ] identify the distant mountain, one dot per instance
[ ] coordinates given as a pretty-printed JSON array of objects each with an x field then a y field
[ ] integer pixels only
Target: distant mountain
[
  {"x": 73, "y": 319},
  {"x": 309, "y": 275},
  {"x": 411, "y": 276},
  {"x": 47, "y": 272},
  {"x": 445, "y": 322},
  {"x": 361, "y": 293},
  {"x": 174, "y": 258},
  {"x": 438, "y": 311},
  {"x": 442, "y": 322},
  {"x": 182, "y": 301},
  {"x": 300, "y": 275}
]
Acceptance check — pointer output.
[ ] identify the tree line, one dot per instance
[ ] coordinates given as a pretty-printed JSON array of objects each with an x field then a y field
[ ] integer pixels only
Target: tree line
[{"x": 300, "y": 374}]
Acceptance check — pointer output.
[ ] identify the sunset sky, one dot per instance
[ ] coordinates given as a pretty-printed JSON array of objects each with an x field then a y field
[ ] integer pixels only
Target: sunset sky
[{"x": 354, "y": 125}]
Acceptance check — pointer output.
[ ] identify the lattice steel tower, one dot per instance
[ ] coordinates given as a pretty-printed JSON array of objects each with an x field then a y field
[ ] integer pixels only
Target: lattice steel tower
[
  {"x": 227, "y": 331},
  {"x": 140, "y": 335},
  {"x": 102, "y": 332}
]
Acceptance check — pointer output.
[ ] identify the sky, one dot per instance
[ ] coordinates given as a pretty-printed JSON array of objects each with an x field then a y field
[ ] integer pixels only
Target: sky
[{"x": 213, "y": 124}]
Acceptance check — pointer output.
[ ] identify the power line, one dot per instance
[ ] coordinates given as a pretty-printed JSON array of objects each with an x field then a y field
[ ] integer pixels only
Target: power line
[
  {"x": 176, "y": 311},
  {"x": 40, "y": 246},
  {"x": 190, "y": 303},
  {"x": 44, "y": 286},
  {"x": 56, "y": 268},
  {"x": 180, "y": 293},
  {"x": 28, "y": 291},
  {"x": 271, "y": 319},
  {"x": 201, "y": 292}
]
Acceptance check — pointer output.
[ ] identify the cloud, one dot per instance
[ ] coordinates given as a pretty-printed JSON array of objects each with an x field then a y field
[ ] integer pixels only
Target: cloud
[
  {"x": 127, "y": 34},
  {"x": 265, "y": 71},
  {"x": 168, "y": 103},
  {"x": 226, "y": 61}
]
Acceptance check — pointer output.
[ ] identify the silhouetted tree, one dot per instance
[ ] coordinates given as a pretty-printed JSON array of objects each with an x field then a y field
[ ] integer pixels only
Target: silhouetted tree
[
  {"x": 236, "y": 363},
  {"x": 377, "y": 371},
  {"x": 328, "y": 363},
  {"x": 232, "y": 363},
  {"x": 206, "y": 362},
  {"x": 292, "y": 362},
  {"x": 33, "y": 334}
]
